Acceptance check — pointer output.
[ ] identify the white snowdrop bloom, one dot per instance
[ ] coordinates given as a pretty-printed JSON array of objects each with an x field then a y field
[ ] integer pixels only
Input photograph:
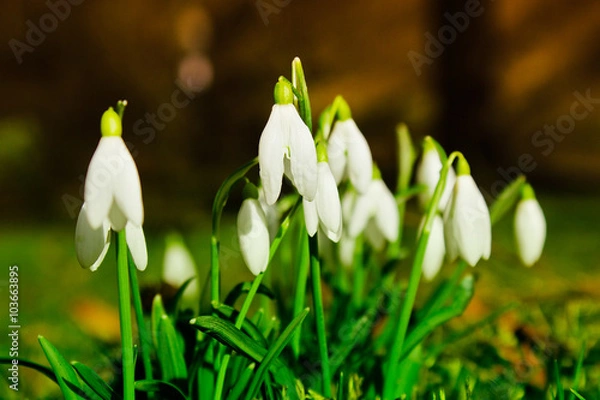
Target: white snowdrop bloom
[
  {"x": 467, "y": 225},
  {"x": 436, "y": 248},
  {"x": 253, "y": 234},
  {"x": 349, "y": 155},
  {"x": 325, "y": 210},
  {"x": 286, "y": 144},
  {"x": 91, "y": 244},
  {"x": 530, "y": 230},
  {"x": 178, "y": 267},
  {"x": 428, "y": 174},
  {"x": 271, "y": 212},
  {"x": 347, "y": 247},
  {"x": 112, "y": 200},
  {"x": 379, "y": 204}
]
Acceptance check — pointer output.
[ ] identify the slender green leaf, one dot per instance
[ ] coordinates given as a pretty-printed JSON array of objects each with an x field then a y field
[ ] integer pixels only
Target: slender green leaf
[
  {"x": 244, "y": 287},
  {"x": 460, "y": 302},
  {"x": 161, "y": 389},
  {"x": 179, "y": 294},
  {"x": 170, "y": 352},
  {"x": 577, "y": 375},
  {"x": 506, "y": 199},
  {"x": 560, "y": 392},
  {"x": 247, "y": 326},
  {"x": 158, "y": 310},
  {"x": 65, "y": 374},
  {"x": 30, "y": 364},
  {"x": 238, "y": 389},
  {"x": 274, "y": 352},
  {"x": 580, "y": 397},
  {"x": 91, "y": 378}
]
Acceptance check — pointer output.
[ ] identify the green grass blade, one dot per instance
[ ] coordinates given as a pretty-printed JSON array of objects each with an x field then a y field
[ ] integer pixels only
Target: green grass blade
[
  {"x": 560, "y": 392},
  {"x": 33, "y": 365},
  {"x": 577, "y": 374},
  {"x": 242, "y": 382},
  {"x": 274, "y": 352},
  {"x": 248, "y": 326},
  {"x": 244, "y": 287},
  {"x": 91, "y": 378},
  {"x": 169, "y": 351},
  {"x": 580, "y": 397},
  {"x": 162, "y": 389},
  {"x": 65, "y": 374},
  {"x": 158, "y": 310}
]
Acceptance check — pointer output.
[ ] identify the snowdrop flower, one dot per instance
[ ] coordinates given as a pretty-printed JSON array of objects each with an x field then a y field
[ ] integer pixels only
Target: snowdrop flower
[
  {"x": 178, "y": 267},
  {"x": 112, "y": 200},
  {"x": 467, "y": 225},
  {"x": 436, "y": 248},
  {"x": 348, "y": 151},
  {"x": 286, "y": 144},
  {"x": 325, "y": 210},
  {"x": 272, "y": 214},
  {"x": 428, "y": 174},
  {"x": 530, "y": 227},
  {"x": 377, "y": 204},
  {"x": 253, "y": 235}
]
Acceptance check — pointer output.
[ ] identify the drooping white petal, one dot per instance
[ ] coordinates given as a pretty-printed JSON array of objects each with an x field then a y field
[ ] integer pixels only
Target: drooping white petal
[
  {"x": 127, "y": 187},
  {"x": 270, "y": 155},
  {"x": 374, "y": 236},
  {"x": 328, "y": 203},
  {"x": 253, "y": 235},
  {"x": 530, "y": 231},
  {"x": 435, "y": 250},
  {"x": 99, "y": 181},
  {"x": 364, "y": 208},
  {"x": 336, "y": 153},
  {"x": 346, "y": 250},
  {"x": 467, "y": 225},
  {"x": 386, "y": 211},
  {"x": 311, "y": 217},
  {"x": 303, "y": 157},
  {"x": 136, "y": 242},
  {"x": 179, "y": 266},
  {"x": 91, "y": 243},
  {"x": 271, "y": 213},
  {"x": 428, "y": 174},
  {"x": 360, "y": 160}
]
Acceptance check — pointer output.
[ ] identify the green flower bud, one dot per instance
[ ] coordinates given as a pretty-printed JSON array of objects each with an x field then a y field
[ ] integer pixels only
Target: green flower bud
[
  {"x": 283, "y": 93},
  {"x": 462, "y": 167},
  {"x": 110, "y": 124}
]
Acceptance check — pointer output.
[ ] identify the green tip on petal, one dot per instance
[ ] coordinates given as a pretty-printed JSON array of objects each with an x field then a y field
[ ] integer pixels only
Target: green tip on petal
[
  {"x": 376, "y": 172},
  {"x": 343, "y": 109},
  {"x": 283, "y": 92},
  {"x": 250, "y": 191},
  {"x": 462, "y": 167},
  {"x": 527, "y": 192},
  {"x": 428, "y": 144},
  {"x": 110, "y": 124}
]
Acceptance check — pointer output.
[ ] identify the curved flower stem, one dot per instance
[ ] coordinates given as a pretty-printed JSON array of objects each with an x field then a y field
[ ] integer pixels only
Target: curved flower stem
[
  {"x": 145, "y": 339},
  {"x": 390, "y": 377},
  {"x": 217, "y": 209},
  {"x": 128, "y": 367},
  {"x": 315, "y": 273}
]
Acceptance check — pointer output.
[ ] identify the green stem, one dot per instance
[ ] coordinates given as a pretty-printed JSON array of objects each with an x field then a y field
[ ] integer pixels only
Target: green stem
[
  {"x": 445, "y": 290},
  {"x": 145, "y": 338},
  {"x": 300, "y": 294},
  {"x": 390, "y": 378},
  {"x": 217, "y": 210},
  {"x": 315, "y": 273},
  {"x": 125, "y": 318}
]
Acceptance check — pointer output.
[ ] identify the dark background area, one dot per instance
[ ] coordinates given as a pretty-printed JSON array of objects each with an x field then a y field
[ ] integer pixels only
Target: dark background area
[{"x": 508, "y": 70}]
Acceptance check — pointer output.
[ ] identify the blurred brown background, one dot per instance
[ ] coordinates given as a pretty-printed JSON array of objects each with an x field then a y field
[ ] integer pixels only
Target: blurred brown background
[{"x": 505, "y": 81}]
